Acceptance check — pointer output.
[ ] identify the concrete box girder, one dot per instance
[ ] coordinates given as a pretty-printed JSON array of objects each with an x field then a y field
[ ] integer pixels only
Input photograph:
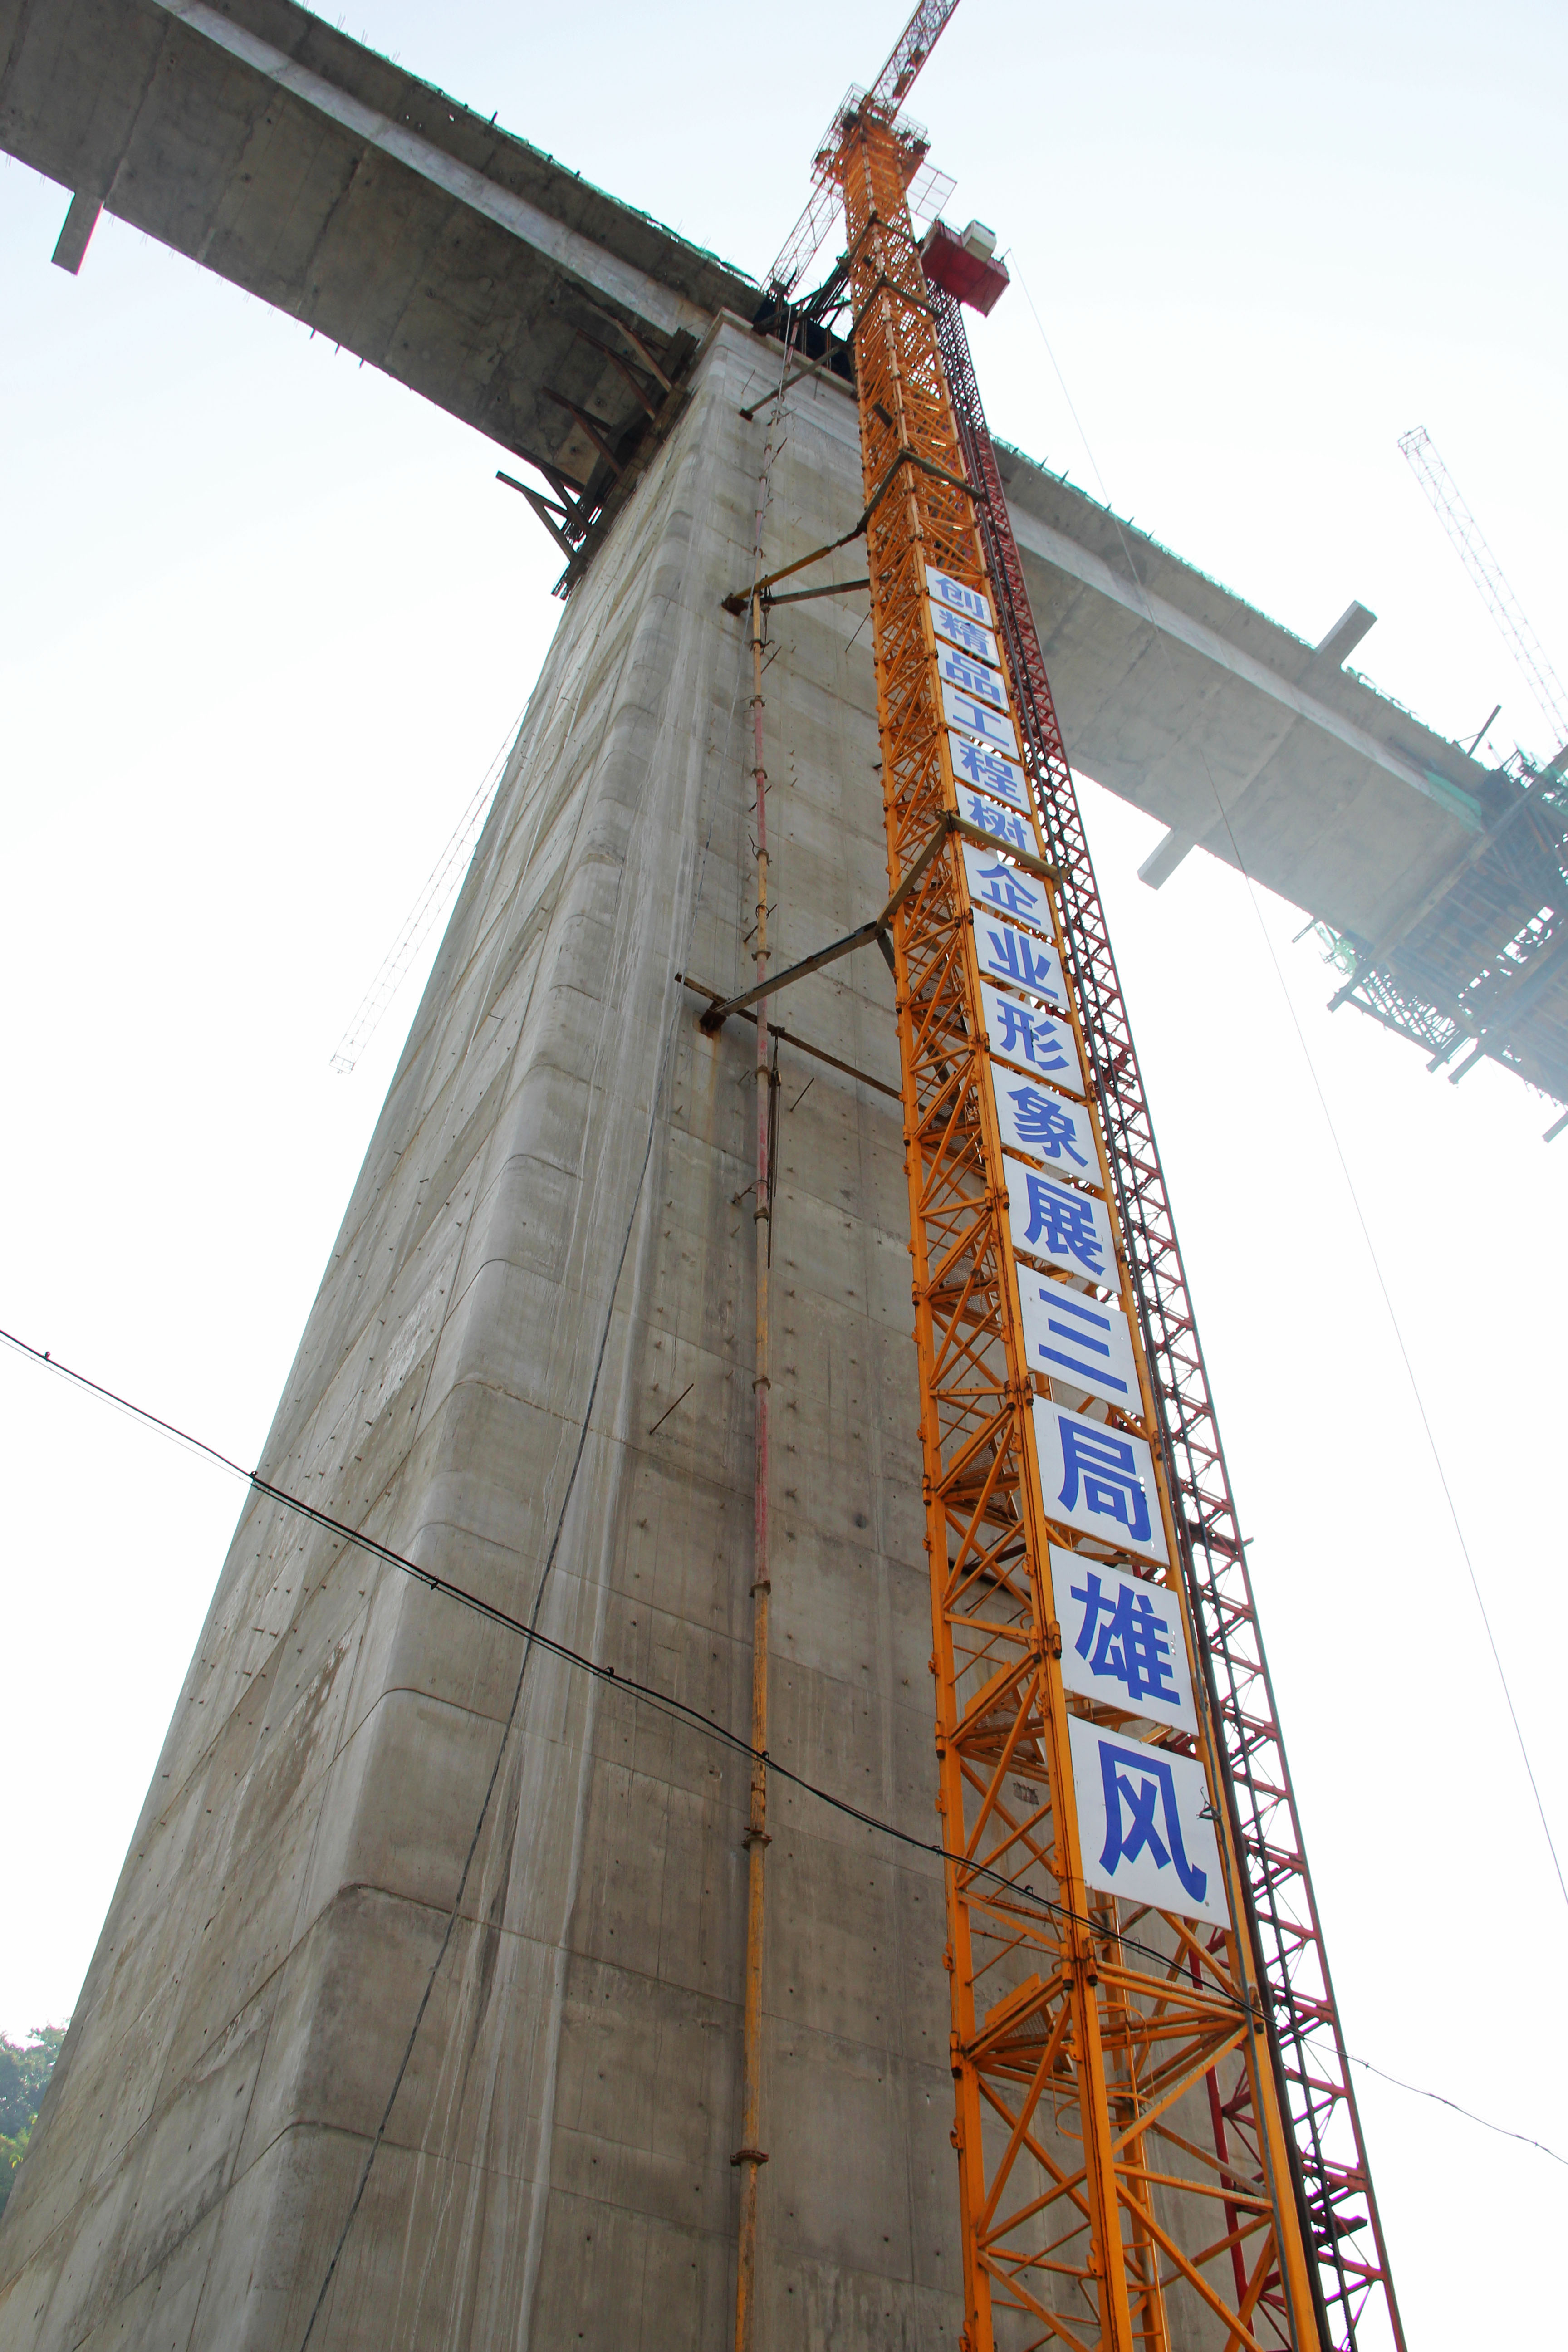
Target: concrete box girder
[{"x": 321, "y": 178}]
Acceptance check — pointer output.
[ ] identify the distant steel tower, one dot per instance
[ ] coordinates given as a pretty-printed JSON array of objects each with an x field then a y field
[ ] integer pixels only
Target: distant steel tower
[{"x": 1484, "y": 569}]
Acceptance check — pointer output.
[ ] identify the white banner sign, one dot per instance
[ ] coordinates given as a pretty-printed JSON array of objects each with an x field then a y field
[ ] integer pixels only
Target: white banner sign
[
  {"x": 1020, "y": 1033},
  {"x": 948, "y": 591},
  {"x": 1145, "y": 1824},
  {"x": 1013, "y": 958},
  {"x": 1121, "y": 1640},
  {"x": 1099, "y": 1480},
  {"x": 1066, "y": 1228},
  {"x": 1047, "y": 1126},
  {"x": 969, "y": 636},
  {"x": 971, "y": 677},
  {"x": 1005, "y": 889},
  {"x": 988, "y": 770},
  {"x": 978, "y": 717},
  {"x": 1079, "y": 1339},
  {"x": 1008, "y": 826}
]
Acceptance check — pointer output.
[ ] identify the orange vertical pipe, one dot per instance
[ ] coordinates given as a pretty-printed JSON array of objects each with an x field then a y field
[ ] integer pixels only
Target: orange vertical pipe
[{"x": 750, "y": 2157}]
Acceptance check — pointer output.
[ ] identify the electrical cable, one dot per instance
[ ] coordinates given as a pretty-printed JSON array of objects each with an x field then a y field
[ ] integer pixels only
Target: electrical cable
[
  {"x": 1468, "y": 2113},
  {"x": 680, "y": 1710},
  {"x": 1327, "y": 1114},
  {"x": 527, "y": 1629}
]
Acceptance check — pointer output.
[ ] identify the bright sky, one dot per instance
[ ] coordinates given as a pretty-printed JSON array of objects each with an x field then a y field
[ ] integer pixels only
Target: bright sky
[{"x": 265, "y": 619}]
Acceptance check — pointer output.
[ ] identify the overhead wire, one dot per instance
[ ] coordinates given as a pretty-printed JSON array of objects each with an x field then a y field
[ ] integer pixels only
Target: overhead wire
[
  {"x": 664, "y": 1702},
  {"x": 528, "y": 1631},
  {"x": 1438, "y": 2099},
  {"x": 1323, "y": 1107}
]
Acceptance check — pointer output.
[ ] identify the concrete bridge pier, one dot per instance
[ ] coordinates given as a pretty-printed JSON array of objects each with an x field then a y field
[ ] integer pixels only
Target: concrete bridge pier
[{"x": 381, "y": 1896}]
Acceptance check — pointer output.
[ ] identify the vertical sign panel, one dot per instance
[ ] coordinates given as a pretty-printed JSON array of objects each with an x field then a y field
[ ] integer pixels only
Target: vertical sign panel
[
  {"x": 970, "y": 636},
  {"x": 1007, "y": 826},
  {"x": 1099, "y": 1480},
  {"x": 1082, "y": 1341},
  {"x": 1121, "y": 1638},
  {"x": 1047, "y": 1126},
  {"x": 958, "y": 595},
  {"x": 978, "y": 715},
  {"x": 1005, "y": 889},
  {"x": 1020, "y": 1032},
  {"x": 988, "y": 771},
  {"x": 1012, "y": 957},
  {"x": 1146, "y": 1824},
  {"x": 1052, "y": 1222}
]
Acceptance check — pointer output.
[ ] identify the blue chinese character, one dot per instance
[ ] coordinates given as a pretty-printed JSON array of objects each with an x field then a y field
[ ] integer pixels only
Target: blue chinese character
[
  {"x": 990, "y": 772},
  {"x": 999, "y": 821},
  {"x": 953, "y": 592},
  {"x": 991, "y": 723},
  {"x": 1011, "y": 956},
  {"x": 1046, "y": 1126},
  {"x": 1007, "y": 888},
  {"x": 1036, "y": 1045},
  {"x": 1132, "y": 1644},
  {"x": 967, "y": 634},
  {"x": 1156, "y": 1780},
  {"x": 1063, "y": 1225},
  {"x": 970, "y": 679},
  {"x": 1109, "y": 1468},
  {"x": 1067, "y": 1303}
]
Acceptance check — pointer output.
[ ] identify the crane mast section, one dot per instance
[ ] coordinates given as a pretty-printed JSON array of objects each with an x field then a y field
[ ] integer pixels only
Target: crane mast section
[
  {"x": 1090, "y": 2033},
  {"x": 1355, "y": 2295}
]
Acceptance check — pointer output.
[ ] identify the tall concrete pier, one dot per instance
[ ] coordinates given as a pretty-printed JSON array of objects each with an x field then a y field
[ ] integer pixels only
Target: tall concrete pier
[
  {"x": 529, "y": 1368},
  {"x": 417, "y": 2016}
]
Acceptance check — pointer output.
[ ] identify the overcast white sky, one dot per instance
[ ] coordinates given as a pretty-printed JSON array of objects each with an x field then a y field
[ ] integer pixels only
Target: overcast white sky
[{"x": 266, "y": 618}]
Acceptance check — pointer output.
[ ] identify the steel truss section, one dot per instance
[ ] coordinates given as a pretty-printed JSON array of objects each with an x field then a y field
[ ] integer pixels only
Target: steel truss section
[
  {"x": 1353, "y": 2289},
  {"x": 1125, "y": 2171}
]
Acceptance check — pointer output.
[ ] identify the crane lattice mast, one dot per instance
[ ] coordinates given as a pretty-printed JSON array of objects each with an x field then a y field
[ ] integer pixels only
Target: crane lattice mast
[
  {"x": 1484, "y": 569},
  {"x": 1157, "y": 2136}
]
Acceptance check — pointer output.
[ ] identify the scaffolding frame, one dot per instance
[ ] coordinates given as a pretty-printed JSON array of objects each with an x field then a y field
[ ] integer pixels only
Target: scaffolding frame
[{"x": 1481, "y": 960}]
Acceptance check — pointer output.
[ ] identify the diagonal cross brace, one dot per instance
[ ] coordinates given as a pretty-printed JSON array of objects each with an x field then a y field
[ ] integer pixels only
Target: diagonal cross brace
[
  {"x": 738, "y": 598},
  {"x": 717, "y": 1014},
  {"x": 877, "y": 928}
]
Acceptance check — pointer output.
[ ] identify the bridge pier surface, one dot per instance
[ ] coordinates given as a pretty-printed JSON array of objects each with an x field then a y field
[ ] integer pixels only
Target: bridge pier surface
[{"x": 529, "y": 1368}]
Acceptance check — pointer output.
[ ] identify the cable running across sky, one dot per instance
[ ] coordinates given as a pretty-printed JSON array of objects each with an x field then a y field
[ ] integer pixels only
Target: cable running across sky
[{"x": 643, "y": 1692}]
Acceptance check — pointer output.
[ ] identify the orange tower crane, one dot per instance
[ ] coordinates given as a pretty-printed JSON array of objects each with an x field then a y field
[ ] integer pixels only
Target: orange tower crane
[{"x": 1156, "y": 2137}]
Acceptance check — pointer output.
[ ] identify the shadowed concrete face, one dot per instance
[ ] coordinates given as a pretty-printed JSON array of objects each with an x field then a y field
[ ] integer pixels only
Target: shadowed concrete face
[{"x": 546, "y": 1212}]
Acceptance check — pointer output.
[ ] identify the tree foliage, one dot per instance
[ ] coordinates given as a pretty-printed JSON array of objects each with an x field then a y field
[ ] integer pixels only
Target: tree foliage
[{"x": 25, "y": 2069}]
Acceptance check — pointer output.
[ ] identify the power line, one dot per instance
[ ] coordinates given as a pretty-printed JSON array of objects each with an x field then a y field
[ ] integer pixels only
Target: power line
[
  {"x": 528, "y": 1631},
  {"x": 1468, "y": 2113},
  {"x": 679, "y": 1709}
]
